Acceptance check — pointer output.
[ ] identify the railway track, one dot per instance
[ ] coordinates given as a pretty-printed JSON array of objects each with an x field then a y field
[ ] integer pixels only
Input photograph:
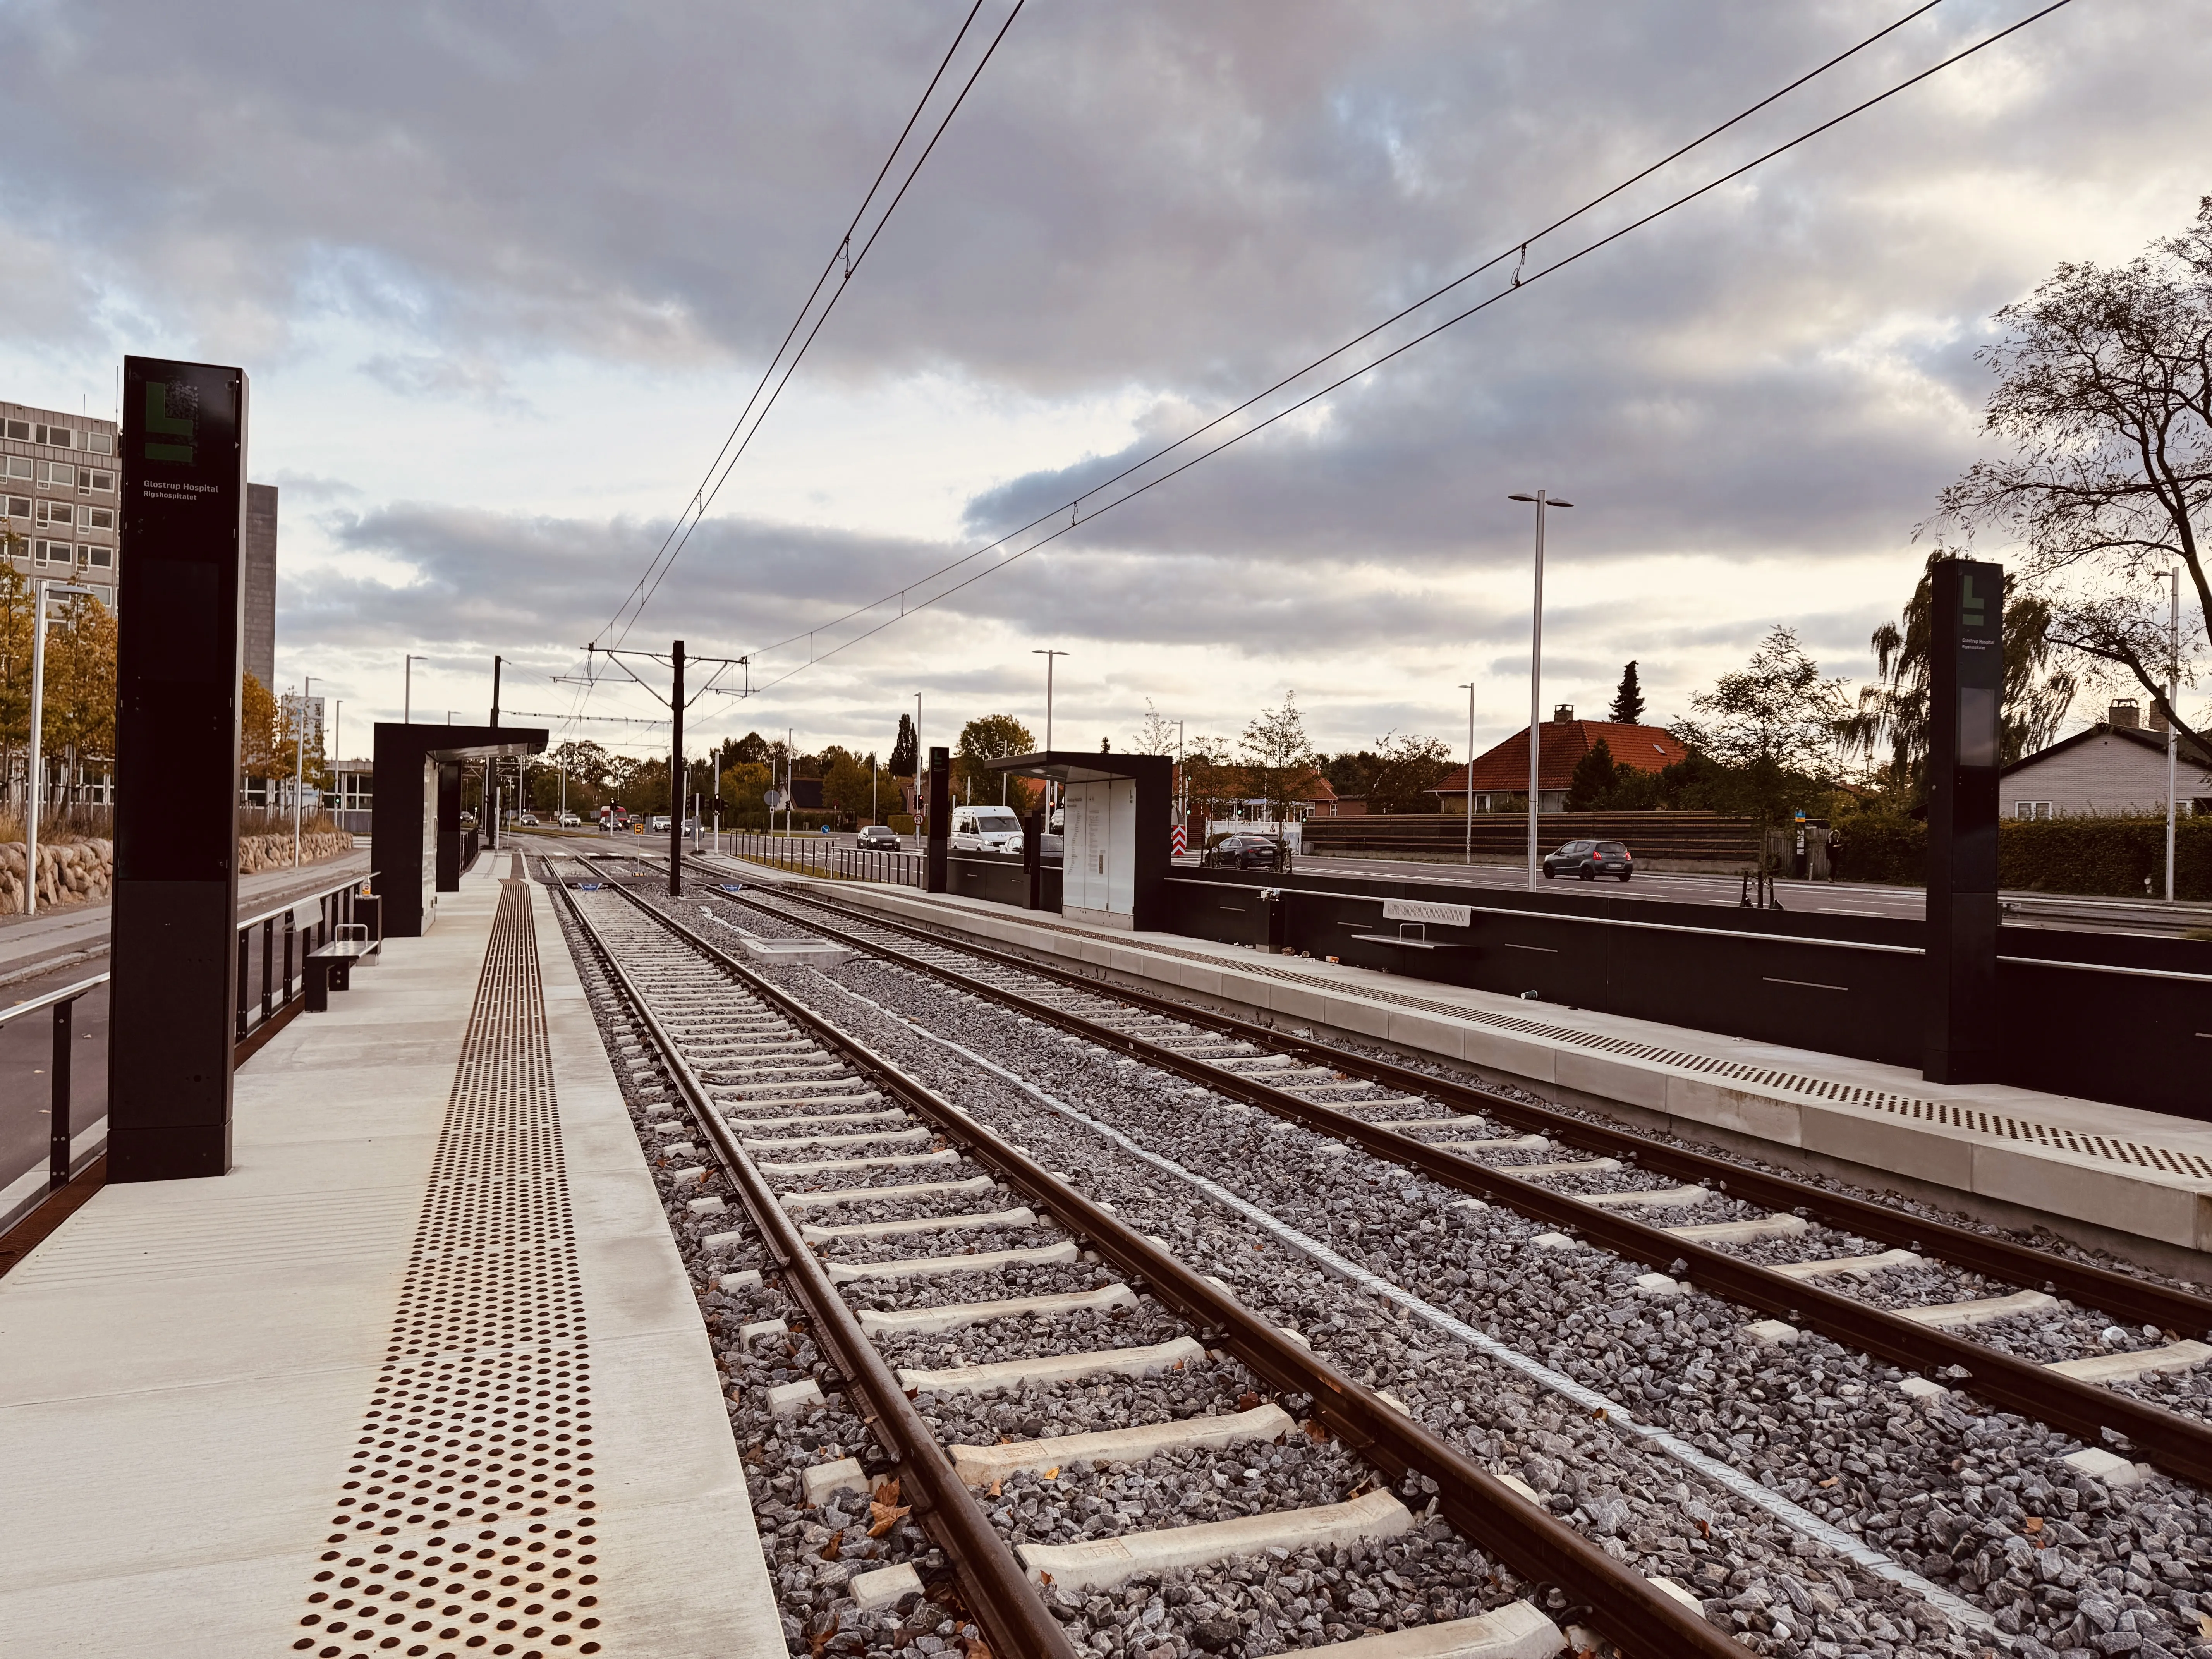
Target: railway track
[
  {"x": 1910, "y": 1468},
  {"x": 1776, "y": 1248},
  {"x": 1149, "y": 1366}
]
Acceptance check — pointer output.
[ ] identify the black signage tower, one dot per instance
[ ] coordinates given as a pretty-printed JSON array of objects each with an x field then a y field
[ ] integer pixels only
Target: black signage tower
[
  {"x": 179, "y": 611},
  {"x": 1965, "y": 747},
  {"x": 940, "y": 817}
]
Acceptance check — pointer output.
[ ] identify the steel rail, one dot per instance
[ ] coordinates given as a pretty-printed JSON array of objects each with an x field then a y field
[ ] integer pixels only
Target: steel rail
[
  {"x": 2180, "y": 1445},
  {"x": 2134, "y": 1299},
  {"x": 995, "y": 1588},
  {"x": 1621, "y": 1603}
]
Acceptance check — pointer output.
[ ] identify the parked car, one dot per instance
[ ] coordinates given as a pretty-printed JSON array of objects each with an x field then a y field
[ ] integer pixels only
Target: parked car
[
  {"x": 880, "y": 838},
  {"x": 1586, "y": 860},
  {"x": 985, "y": 829},
  {"x": 1247, "y": 853}
]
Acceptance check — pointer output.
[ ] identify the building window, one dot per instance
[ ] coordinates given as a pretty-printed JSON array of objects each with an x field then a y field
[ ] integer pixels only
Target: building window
[
  {"x": 105, "y": 595},
  {"x": 19, "y": 431},
  {"x": 16, "y": 466},
  {"x": 57, "y": 437},
  {"x": 58, "y": 475},
  {"x": 18, "y": 507},
  {"x": 102, "y": 482},
  {"x": 99, "y": 443},
  {"x": 53, "y": 552},
  {"x": 100, "y": 518},
  {"x": 102, "y": 556},
  {"x": 56, "y": 512},
  {"x": 2032, "y": 809}
]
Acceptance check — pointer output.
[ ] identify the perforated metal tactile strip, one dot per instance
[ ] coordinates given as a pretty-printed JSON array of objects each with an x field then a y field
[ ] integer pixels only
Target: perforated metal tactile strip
[
  {"x": 464, "y": 1524},
  {"x": 2147, "y": 1155}
]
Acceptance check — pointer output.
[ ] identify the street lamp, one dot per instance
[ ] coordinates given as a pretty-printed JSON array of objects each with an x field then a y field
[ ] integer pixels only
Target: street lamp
[
  {"x": 300, "y": 762},
  {"x": 407, "y": 694},
  {"x": 2172, "y": 725},
  {"x": 1535, "y": 679},
  {"x": 1469, "y": 688},
  {"x": 1049, "y": 665}
]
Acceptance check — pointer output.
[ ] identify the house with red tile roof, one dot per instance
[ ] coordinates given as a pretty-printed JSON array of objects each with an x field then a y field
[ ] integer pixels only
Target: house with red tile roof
[{"x": 1502, "y": 773}]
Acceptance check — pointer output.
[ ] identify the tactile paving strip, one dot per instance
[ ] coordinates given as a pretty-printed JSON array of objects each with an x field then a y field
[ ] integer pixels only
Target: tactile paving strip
[{"x": 464, "y": 1524}]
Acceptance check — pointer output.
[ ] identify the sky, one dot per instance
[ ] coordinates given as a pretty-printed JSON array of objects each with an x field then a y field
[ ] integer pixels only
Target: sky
[{"x": 505, "y": 274}]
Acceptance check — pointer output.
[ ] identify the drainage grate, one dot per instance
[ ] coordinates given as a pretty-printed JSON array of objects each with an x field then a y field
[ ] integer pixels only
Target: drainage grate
[
  {"x": 2164, "y": 1160},
  {"x": 464, "y": 1524}
]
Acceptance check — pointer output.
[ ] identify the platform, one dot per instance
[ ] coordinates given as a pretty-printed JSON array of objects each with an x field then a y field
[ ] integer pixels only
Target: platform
[
  {"x": 2112, "y": 1176},
  {"x": 432, "y": 1322}
]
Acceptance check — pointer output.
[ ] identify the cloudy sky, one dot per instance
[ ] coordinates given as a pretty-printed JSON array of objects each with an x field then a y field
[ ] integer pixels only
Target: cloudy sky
[{"x": 505, "y": 273}]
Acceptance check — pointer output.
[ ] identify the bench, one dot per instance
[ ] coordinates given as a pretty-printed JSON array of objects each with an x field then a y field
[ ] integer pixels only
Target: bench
[{"x": 330, "y": 966}]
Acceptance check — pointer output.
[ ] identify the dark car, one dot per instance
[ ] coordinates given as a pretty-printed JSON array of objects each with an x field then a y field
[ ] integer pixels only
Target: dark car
[
  {"x": 1247, "y": 853},
  {"x": 1588, "y": 859},
  {"x": 880, "y": 838}
]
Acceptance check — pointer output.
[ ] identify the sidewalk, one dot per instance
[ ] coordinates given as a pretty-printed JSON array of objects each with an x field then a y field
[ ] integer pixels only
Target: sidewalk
[
  {"x": 434, "y": 1313},
  {"x": 2109, "y": 1176}
]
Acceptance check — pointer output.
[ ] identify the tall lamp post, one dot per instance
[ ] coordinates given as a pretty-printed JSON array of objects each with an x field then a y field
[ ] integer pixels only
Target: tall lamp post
[
  {"x": 407, "y": 694},
  {"x": 2173, "y": 729},
  {"x": 300, "y": 762},
  {"x": 1535, "y": 681},
  {"x": 1049, "y": 665},
  {"x": 919, "y": 803},
  {"x": 1469, "y": 688}
]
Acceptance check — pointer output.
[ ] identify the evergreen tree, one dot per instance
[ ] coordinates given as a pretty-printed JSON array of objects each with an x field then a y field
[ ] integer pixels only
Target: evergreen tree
[
  {"x": 1628, "y": 702},
  {"x": 906, "y": 749},
  {"x": 1590, "y": 789}
]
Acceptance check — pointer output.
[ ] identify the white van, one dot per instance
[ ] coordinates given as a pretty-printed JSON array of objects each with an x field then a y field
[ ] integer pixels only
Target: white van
[{"x": 985, "y": 829}]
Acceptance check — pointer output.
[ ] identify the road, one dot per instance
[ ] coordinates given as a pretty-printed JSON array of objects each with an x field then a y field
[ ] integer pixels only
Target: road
[
  {"x": 2105, "y": 915},
  {"x": 2108, "y": 915}
]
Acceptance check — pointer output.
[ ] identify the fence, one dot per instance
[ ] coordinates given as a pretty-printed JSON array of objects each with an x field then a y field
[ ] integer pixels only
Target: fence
[
  {"x": 2108, "y": 1016},
  {"x": 272, "y": 949},
  {"x": 275, "y": 936},
  {"x": 1657, "y": 839},
  {"x": 808, "y": 856}
]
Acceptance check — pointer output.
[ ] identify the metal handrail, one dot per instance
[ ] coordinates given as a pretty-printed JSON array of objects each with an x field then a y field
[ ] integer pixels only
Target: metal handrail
[
  {"x": 66, "y": 993},
  {"x": 297, "y": 900}
]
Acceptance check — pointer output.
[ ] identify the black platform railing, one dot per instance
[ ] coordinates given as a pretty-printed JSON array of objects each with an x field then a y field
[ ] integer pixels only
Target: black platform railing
[
  {"x": 61, "y": 1005},
  {"x": 272, "y": 953},
  {"x": 806, "y": 855}
]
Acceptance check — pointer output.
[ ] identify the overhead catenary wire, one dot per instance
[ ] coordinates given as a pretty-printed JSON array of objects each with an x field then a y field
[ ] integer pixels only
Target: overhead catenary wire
[
  {"x": 1076, "y": 518},
  {"x": 1519, "y": 249},
  {"x": 756, "y": 409}
]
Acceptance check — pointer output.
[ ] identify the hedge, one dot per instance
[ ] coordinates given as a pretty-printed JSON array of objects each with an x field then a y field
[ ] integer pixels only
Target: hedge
[{"x": 2111, "y": 856}]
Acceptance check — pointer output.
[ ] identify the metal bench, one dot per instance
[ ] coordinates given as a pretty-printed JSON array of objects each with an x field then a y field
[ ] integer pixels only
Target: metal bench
[{"x": 330, "y": 966}]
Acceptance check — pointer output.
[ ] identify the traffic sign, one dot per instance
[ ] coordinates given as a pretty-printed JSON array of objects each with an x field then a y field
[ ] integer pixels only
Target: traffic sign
[{"x": 775, "y": 799}]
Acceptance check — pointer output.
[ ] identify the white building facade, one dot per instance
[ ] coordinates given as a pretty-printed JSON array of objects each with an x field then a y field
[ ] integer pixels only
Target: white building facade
[{"x": 2108, "y": 770}]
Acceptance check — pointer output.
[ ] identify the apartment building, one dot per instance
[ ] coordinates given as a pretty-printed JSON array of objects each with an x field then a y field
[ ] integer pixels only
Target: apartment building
[{"x": 58, "y": 494}]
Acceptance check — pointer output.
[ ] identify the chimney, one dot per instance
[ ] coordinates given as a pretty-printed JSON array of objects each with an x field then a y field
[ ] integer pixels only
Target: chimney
[
  {"x": 1562, "y": 714},
  {"x": 2156, "y": 720},
  {"x": 2126, "y": 715}
]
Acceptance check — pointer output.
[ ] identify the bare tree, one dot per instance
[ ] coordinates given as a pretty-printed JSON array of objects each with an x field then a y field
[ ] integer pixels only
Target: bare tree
[
  {"x": 2104, "y": 389},
  {"x": 1277, "y": 753},
  {"x": 1157, "y": 735}
]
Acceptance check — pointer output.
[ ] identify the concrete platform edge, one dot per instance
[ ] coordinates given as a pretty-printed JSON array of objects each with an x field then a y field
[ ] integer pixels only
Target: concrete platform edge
[{"x": 2161, "y": 1219}]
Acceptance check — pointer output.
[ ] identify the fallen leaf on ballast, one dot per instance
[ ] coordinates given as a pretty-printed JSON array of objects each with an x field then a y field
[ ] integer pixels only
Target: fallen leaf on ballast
[{"x": 885, "y": 1516}]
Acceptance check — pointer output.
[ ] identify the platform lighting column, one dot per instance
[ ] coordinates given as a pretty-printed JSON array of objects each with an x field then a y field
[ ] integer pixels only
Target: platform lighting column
[
  {"x": 676, "y": 773},
  {"x": 1469, "y": 688},
  {"x": 1048, "y": 656},
  {"x": 918, "y": 759},
  {"x": 300, "y": 763},
  {"x": 407, "y": 694},
  {"x": 1535, "y": 684},
  {"x": 2172, "y": 728}
]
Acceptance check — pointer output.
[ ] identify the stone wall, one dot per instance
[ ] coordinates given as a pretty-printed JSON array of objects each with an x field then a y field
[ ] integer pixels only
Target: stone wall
[{"x": 83, "y": 873}]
